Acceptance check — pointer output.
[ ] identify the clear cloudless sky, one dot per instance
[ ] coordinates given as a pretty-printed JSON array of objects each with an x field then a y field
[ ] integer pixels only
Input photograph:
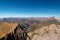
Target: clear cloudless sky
[{"x": 29, "y": 8}]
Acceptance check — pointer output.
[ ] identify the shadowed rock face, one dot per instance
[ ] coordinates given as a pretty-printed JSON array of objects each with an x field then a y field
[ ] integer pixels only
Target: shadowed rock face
[
  {"x": 16, "y": 34},
  {"x": 20, "y": 34}
]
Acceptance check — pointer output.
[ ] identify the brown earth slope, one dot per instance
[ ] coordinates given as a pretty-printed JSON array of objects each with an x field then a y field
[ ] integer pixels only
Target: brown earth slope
[{"x": 6, "y": 28}]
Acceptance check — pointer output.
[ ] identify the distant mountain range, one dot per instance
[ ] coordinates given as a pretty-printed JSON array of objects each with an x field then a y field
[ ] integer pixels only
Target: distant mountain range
[
  {"x": 29, "y": 21},
  {"x": 34, "y": 19}
]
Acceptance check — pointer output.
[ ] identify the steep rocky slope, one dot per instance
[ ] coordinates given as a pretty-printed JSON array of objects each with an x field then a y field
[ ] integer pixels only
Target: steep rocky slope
[
  {"x": 6, "y": 28},
  {"x": 12, "y": 31},
  {"x": 51, "y": 32}
]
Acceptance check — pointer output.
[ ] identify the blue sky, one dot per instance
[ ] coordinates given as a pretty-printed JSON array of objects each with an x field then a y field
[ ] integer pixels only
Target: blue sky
[{"x": 29, "y": 8}]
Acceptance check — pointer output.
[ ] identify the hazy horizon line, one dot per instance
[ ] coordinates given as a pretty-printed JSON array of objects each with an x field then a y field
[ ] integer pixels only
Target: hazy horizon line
[{"x": 30, "y": 17}]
